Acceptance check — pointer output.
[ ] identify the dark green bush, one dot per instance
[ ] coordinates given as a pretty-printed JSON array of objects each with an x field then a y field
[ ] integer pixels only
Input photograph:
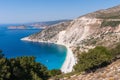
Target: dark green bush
[
  {"x": 116, "y": 51},
  {"x": 110, "y": 23},
  {"x": 55, "y": 72},
  {"x": 22, "y": 68},
  {"x": 94, "y": 58},
  {"x": 1, "y": 55}
]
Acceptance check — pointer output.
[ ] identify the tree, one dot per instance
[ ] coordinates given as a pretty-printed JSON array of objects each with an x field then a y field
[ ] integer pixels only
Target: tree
[
  {"x": 93, "y": 59},
  {"x": 1, "y": 55},
  {"x": 55, "y": 72},
  {"x": 24, "y": 68},
  {"x": 116, "y": 51}
]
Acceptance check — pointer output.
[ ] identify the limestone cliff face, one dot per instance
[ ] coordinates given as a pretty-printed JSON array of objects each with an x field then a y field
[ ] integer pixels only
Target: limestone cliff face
[{"x": 86, "y": 31}]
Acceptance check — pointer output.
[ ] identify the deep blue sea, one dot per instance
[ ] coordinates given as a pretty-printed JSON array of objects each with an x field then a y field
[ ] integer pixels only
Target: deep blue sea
[{"x": 51, "y": 55}]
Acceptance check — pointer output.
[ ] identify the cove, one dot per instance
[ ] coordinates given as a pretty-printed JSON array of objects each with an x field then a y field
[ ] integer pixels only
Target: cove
[{"x": 51, "y": 55}]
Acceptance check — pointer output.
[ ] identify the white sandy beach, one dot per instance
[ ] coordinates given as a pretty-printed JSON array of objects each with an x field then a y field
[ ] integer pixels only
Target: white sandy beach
[
  {"x": 69, "y": 61},
  {"x": 70, "y": 58}
]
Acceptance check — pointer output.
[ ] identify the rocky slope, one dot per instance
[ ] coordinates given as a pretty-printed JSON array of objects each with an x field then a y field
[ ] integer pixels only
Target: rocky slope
[
  {"x": 86, "y": 31},
  {"x": 111, "y": 72},
  {"x": 51, "y": 33}
]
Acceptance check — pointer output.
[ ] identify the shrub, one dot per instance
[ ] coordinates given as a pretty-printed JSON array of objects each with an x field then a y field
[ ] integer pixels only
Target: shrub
[
  {"x": 54, "y": 72},
  {"x": 22, "y": 68},
  {"x": 110, "y": 23},
  {"x": 1, "y": 55},
  {"x": 116, "y": 51},
  {"x": 93, "y": 59}
]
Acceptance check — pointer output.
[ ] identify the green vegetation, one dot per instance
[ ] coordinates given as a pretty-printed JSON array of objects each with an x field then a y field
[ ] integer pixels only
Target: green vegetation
[
  {"x": 66, "y": 75},
  {"x": 1, "y": 55},
  {"x": 116, "y": 52},
  {"x": 109, "y": 16},
  {"x": 24, "y": 68},
  {"x": 112, "y": 16},
  {"x": 110, "y": 23},
  {"x": 54, "y": 72},
  {"x": 97, "y": 58},
  {"x": 93, "y": 59}
]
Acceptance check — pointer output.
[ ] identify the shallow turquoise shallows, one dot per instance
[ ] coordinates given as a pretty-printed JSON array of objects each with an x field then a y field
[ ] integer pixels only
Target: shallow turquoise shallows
[{"x": 51, "y": 55}]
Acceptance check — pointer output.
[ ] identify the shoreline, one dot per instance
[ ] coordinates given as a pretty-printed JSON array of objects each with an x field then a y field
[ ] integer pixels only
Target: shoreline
[{"x": 70, "y": 59}]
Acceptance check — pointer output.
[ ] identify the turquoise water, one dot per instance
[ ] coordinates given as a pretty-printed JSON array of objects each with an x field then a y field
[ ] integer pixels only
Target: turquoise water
[{"x": 51, "y": 55}]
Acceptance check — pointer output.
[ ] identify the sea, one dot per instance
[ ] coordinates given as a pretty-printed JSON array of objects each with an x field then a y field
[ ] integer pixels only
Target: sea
[{"x": 50, "y": 55}]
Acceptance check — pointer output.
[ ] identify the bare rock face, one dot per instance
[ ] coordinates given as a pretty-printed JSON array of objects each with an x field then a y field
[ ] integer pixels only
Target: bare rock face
[{"x": 97, "y": 28}]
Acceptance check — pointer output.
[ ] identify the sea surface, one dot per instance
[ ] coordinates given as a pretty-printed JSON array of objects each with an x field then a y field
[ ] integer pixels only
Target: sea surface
[{"x": 51, "y": 55}]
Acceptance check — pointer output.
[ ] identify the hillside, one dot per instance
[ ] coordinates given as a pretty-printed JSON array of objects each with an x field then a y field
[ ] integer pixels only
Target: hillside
[
  {"x": 111, "y": 72},
  {"x": 86, "y": 31},
  {"x": 35, "y": 25}
]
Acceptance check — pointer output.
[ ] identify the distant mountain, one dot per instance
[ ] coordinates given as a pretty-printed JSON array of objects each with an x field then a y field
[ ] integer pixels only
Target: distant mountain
[
  {"x": 17, "y": 27},
  {"x": 48, "y": 23},
  {"x": 36, "y": 25}
]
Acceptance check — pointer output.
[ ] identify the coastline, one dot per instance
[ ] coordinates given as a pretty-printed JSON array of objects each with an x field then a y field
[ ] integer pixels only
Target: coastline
[{"x": 70, "y": 60}]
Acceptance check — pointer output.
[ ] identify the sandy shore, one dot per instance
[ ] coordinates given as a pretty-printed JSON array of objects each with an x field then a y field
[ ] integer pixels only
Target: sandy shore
[{"x": 69, "y": 61}]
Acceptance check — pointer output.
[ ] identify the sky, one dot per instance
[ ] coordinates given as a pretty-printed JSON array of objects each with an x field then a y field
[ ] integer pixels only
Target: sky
[{"x": 23, "y": 11}]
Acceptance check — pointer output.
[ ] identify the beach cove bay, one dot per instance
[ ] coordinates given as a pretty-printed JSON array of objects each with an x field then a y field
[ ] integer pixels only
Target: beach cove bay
[{"x": 50, "y": 55}]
